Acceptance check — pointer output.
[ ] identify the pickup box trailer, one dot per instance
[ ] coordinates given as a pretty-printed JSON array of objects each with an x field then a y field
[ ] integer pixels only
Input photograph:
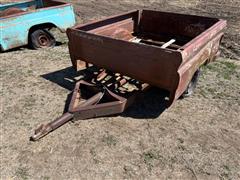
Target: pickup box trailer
[
  {"x": 159, "y": 48},
  {"x": 138, "y": 49},
  {"x": 29, "y": 22}
]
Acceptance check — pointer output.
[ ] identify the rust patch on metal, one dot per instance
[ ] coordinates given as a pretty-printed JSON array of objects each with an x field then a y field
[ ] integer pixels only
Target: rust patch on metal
[{"x": 10, "y": 11}]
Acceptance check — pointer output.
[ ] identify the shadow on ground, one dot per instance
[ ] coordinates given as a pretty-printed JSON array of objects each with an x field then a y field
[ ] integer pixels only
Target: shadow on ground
[
  {"x": 21, "y": 48},
  {"x": 151, "y": 104}
]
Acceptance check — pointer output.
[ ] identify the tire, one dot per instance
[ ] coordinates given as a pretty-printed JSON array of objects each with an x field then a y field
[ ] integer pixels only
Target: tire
[
  {"x": 192, "y": 85},
  {"x": 41, "y": 38}
]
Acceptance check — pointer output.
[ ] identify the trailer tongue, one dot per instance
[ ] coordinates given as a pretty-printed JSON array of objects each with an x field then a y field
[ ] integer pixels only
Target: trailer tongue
[{"x": 106, "y": 94}]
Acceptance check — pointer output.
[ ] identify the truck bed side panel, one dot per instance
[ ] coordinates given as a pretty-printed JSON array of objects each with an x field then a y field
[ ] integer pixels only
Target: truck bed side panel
[
  {"x": 201, "y": 50},
  {"x": 22, "y": 5},
  {"x": 148, "y": 64}
]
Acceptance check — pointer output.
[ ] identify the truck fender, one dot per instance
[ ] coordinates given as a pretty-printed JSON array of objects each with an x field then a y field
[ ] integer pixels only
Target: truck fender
[{"x": 41, "y": 26}]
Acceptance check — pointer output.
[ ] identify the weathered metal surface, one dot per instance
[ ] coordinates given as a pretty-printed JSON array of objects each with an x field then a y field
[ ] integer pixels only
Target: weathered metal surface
[
  {"x": 10, "y": 11},
  {"x": 15, "y": 27},
  {"x": 25, "y": 5},
  {"x": 109, "y": 44},
  {"x": 101, "y": 97}
]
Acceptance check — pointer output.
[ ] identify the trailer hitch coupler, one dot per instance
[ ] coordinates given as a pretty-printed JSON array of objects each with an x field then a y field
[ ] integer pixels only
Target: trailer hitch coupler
[{"x": 45, "y": 129}]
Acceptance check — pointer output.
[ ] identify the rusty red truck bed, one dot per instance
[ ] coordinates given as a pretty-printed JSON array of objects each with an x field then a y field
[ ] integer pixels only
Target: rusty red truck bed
[
  {"x": 126, "y": 54},
  {"x": 133, "y": 44}
]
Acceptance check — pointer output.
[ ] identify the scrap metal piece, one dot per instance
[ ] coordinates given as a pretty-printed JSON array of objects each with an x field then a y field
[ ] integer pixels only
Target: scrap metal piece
[
  {"x": 168, "y": 43},
  {"x": 135, "y": 40}
]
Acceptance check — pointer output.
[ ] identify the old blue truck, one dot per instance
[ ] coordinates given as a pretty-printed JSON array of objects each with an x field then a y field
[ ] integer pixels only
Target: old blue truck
[{"x": 29, "y": 22}]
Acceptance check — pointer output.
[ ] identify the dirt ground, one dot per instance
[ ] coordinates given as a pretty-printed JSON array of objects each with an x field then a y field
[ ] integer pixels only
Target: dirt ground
[{"x": 197, "y": 138}]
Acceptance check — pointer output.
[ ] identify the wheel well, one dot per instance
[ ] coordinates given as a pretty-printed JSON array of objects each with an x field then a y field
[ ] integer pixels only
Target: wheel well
[{"x": 41, "y": 26}]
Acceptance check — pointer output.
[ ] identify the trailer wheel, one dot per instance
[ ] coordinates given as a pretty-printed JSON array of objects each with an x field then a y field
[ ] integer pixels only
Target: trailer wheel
[
  {"x": 41, "y": 38},
  {"x": 192, "y": 85}
]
